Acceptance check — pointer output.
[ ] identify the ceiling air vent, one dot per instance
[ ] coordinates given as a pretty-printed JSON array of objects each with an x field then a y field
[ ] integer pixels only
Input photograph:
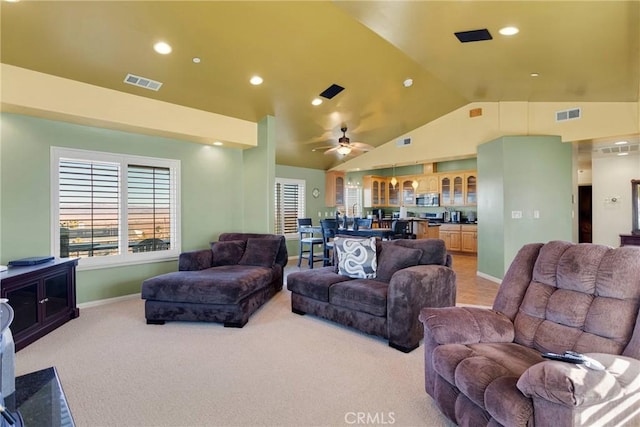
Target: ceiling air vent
[
  {"x": 331, "y": 91},
  {"x": 403, "y": 142},
  {"x": 616, "y": 149},
  {"x": 572, "y": 114},
  {"x": 142, "y": 82}
]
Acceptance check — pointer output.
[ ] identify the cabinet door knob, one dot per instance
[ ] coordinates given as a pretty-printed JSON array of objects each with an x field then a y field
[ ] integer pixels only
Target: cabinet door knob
[{"x": 42, "y": 301}]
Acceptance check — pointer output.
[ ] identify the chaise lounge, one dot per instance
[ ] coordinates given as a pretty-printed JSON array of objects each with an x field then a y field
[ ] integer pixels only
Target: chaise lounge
[{"x": 225, "y": 284}]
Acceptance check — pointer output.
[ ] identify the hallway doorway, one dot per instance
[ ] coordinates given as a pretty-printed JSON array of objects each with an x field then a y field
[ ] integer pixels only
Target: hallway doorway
[{"x": 584, "y": 214}]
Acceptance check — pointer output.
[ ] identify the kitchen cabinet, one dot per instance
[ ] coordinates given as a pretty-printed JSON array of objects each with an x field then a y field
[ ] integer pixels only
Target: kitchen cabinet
[
  {"x": 450, "y": 233},
  {"x": 470, "y": 188},
  {"x": 423, "y": 231},
  {"x": 334, "y": 189},
  {"x": 469, "y": 238},
  {"x": 43, "y": 297},
  {"x": 408, "y": 192},
  {"x": 428, "y": 184},
  {"x": 375, "y": 191},
  {"x": 394, "y": 194},
  {"x": 458, "y": 188}
]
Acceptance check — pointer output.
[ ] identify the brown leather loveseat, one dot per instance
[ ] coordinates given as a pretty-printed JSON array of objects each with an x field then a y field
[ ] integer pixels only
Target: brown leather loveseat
[{"x": 484, "y": 367}]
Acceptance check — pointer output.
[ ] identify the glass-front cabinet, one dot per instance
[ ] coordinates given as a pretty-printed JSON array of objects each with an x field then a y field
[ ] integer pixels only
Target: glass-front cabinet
[
  {"x": 446, "y": 197},
  {"x": 471, "y": 185},
  {"x": 408, "y": 192},
  {"x": 375, "y": 191},
  {"x": 394, "y": 199},
  {"x": 334, "y": 189}
]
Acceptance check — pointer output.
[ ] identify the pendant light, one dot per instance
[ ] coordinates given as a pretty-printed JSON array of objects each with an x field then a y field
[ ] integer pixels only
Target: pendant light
[{"x": 394, "y": 181}]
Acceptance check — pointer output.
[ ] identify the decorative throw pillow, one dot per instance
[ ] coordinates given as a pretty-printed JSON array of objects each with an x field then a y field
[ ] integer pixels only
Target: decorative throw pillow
[
  {"x": 227, "y": 253},
  {"x": 356, "y": 257},
  {"x": 393, "y": 258},
  {"x": 260, "y": 252}
]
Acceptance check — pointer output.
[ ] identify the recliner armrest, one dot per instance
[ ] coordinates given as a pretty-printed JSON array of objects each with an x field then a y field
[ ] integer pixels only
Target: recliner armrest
[
  {"x": 410, "y": 289},
  {"x": 574, "y": 385},
  {"x": 466, "y": 325},
  {"x": 195, "y": 260}
]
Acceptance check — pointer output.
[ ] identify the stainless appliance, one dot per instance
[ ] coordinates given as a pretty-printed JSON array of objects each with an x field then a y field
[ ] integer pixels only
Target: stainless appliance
[
  {"x": 456, "y": 216},
  {"x": 428, "y": 199}
]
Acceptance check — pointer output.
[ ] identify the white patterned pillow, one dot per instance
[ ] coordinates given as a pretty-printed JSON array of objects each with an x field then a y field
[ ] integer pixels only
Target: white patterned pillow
[{"x": 356, "y": 257}]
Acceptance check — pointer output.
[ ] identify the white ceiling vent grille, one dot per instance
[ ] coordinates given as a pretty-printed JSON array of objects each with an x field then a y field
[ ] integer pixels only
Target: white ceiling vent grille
[
  {"x": 572, "y": 114},
  {"x": 142, "y": 82},
  {"x": 403, "y": 142},
  {"x": 617, "y": 149}
]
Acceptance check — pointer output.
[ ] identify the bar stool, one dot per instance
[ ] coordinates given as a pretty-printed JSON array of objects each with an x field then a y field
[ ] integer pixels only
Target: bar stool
[
  {"x": 329, "y": 231},
  {"x": 308, "y": 242}
]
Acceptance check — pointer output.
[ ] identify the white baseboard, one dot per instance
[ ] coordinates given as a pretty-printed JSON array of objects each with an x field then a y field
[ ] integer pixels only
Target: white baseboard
[
  {"x": 108, "y": 301},
  {"x": 491, "y": 278}
]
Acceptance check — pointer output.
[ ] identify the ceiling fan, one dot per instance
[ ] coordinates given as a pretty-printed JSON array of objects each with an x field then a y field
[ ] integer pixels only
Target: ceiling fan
[{"x": 346, "y": 147}]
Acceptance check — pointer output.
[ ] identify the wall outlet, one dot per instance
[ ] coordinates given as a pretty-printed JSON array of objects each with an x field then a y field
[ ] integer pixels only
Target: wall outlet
[{"x": 516, "y": 214}]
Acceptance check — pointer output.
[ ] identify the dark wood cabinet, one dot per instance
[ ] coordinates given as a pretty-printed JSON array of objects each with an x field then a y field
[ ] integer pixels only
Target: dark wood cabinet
[
  {"x": 43, "y": 297},
  {"x": 630, "y": 239}
]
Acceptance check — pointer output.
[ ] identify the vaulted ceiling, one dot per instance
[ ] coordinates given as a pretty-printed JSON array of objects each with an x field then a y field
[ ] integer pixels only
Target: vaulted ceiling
[{"x": 581, "y": 50}]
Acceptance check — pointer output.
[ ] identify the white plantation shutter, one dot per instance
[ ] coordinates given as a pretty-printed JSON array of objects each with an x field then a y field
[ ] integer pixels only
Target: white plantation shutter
[
  {"x": 111, "y": 209},
  {"x": 149, "y": 207},
  {"x": 89, "y": 200},
  {"x": 289, "y": 205}
]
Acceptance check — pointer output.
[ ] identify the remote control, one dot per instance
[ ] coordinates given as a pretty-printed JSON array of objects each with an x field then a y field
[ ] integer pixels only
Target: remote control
[{"x": 577, "y": 358}]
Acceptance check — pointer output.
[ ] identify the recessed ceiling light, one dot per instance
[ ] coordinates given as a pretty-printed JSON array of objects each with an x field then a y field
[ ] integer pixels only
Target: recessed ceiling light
[
  {"x": 12, "y": 1},
  {"x": 218, "y": 143},
  {"x": 621, "y": 142},
  {"x": 196, "y": 60},
  {"x": 162, "y": 48},
  {"x": 407, "y": 83},
  {"x": 509, "y": 31},
  {"x": 256, "y": 80},
  {"x": 535, "y": 74},
  {"x": 316, "y": 101}
]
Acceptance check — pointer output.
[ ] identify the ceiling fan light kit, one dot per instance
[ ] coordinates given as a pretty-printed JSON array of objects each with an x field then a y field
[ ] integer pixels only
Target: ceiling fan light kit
[{"x": 346, "y": 147}]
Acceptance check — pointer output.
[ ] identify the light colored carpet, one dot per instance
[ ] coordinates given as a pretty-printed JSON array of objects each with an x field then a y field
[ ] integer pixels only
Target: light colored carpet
[{"x": 281, "y": 369}]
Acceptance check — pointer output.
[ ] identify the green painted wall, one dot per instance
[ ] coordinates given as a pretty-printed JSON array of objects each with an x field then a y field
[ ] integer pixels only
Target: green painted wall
[
  {"x": 528, "y": 174},
  {"x": 259, "y": 181},
  {"x": 211, "y": 193}
]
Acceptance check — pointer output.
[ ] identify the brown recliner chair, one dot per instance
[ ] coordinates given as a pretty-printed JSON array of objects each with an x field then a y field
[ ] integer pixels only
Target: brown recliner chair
[{"x": 484, "y": 367}]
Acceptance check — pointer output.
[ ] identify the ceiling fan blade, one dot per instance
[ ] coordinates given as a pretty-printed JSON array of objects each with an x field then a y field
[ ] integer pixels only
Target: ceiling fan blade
[
  {"x": 361, "y": 146},
  {"x": 324, "y": 147},
  {"x": 332, "y": 150}
]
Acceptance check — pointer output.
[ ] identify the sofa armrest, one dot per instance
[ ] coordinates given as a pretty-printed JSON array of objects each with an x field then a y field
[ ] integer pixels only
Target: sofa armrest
[
  {"x": 574, "y": 385},
  {"x": 466, "y": 325},
  {"x": 195, "y": 260},
  {"x": 410, "y": 289}
]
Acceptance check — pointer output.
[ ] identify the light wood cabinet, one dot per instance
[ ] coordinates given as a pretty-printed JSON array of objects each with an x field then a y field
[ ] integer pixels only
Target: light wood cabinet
[
  {"x": 458, "y": 188},
  {"x": 471, "y": 188},
  {"x": 394, "y": 194},
  {"x": 450, "y": 233},
  {"x": 375, "y": 190},
  {"x": 334, "y": 189},
  {"x": 457, "y": 237},
  {"x": 423, "y": 231},
  {"x": 408, "y": 192},
  {"x": 469, "y": 238}
]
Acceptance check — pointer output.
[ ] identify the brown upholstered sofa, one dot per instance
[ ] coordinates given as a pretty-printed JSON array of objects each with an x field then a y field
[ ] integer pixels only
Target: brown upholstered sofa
[
  {"x": 225, "y": 283},
  {"x": 411, "y": 274},
  {"x": 484, "y": 367}
]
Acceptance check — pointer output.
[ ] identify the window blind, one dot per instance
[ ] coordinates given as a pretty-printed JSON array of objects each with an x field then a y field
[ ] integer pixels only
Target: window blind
[
  {"x": 89, "y": 203},
  {"x": 289, "y": 205}
]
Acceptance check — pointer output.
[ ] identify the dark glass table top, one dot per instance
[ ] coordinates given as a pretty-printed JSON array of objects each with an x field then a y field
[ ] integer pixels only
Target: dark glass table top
[{"x": 41, "y": 401}]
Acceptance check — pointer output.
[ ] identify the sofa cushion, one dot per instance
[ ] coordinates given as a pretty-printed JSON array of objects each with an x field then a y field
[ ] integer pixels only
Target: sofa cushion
[
  {"x": 227, "y": 253},
  {"x": 314, "y": 283},
  {"x": 226, "y": 284},
  {"x": 365, "y": 295},
  {"x": 393, "y": 258},
  {"x": 356, "y": 257},
  {"x": 434, "y": 251},
  {"x": 260, "y": 252},
  {"x": 282, "y": 257}
]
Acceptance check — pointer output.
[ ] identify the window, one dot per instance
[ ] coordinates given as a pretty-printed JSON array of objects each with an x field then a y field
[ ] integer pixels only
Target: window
[
  {"x": 111, "y": 209},
  {"x": 353, "y": 207},
  {"x": 289, "y": 204}
]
